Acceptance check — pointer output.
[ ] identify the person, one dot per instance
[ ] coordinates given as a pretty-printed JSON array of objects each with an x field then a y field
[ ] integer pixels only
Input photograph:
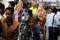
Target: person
[
  {"x": 54, "y": 10},
  {"x": 36, "y": 31},
  {"x": 42, "y": 15},
  {"x": 51, "y": 23},
  {"x": 25, "y": 9},
  {"x": 2, "y": 7},
  {"x": 49, "y": 10},
  {"x": 58, "y": 16},
  {"x": 34, "y": 8},
  {"x": 17, "y": 9},
  {"x": 16, "y": 1},
  {"x": 11, "y": 4},
  {"x": 49, "y": 20},
  {"x": 33, "y": 25},
  {"x": 9, "y": 25},
  {"x": 58, "y": 20},
  {"x": 29, "y": 5},
  {"x": 31, "y": 19}
]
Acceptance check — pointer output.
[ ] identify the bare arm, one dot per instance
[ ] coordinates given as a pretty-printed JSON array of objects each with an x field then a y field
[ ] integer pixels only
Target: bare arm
[
  {"x": 19, "y": 6},
  {"x": 9, "y": 30}
]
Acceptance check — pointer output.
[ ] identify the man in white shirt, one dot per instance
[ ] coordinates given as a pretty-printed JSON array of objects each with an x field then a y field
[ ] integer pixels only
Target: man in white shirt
[
  {"x": 58, "y": 17},
  {"x": 58, "y": 21},
  {"x": 49, "y": 19},
  {"x": 48, "y": 22},
  {"x": 51, "y": 25}
]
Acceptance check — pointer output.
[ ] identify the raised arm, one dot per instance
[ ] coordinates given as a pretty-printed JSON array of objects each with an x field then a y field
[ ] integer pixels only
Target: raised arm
[
  {"x": 9, "y": 30},
  {"x": 19, "y": 6}
]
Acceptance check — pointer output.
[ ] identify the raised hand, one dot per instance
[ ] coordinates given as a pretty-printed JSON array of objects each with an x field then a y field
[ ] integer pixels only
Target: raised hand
[{"x": 19, "y": 6}]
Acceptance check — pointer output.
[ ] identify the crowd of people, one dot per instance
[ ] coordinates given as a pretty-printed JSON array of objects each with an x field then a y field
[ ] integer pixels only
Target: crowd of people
[{"x": 39, "y": 16}]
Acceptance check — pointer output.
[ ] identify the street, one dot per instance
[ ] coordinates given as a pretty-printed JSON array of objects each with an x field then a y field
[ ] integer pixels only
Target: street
[{"x": 41, "y": 37}]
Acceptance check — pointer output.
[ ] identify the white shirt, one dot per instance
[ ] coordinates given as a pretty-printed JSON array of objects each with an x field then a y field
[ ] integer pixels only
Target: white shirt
[
  {"x": 55, "y": 24},
  {"x": 58, "y": 17},
  {"x": 15, "y": 16},
  {"x": 49, "y": 19}
]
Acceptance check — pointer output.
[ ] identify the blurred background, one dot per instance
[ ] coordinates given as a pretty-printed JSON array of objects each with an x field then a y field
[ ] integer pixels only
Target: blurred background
[{"x": 43, "y": 2}]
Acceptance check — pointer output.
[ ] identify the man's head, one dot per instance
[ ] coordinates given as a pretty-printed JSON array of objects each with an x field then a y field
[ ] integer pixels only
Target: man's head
[
  {"x": 25, "y": 6},
  {"x": 11, "y": 4},
  {"x": 34, "y": 4},
  {"x": 9, "y": 11},
  {"x": 40, "y": 10},
  {"x": 2, "y": 7},
  {"x": 49, "y": 10}
]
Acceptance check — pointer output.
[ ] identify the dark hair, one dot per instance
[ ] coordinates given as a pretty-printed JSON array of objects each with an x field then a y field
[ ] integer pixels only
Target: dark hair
[
  {"x": 54, "y": 10},
  {"x": 2, "y": 6},
  {"x": 46, "y": 8},
  {"x": 29, "y": 5},
  {"x": 58, "y": 9},
  {"x": 9, "y": 20},
  {"x": 11, "y": 9},
  {"x": 30, "y": 12},
  {"x": 49, "y": 8},
  {"x": 12, "y": 3},
  {"x": 25, "y": 5}
]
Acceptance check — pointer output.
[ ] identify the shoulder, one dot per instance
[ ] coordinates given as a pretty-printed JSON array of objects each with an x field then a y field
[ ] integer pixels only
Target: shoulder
[
  {"x": 58, "y": 13},
  {"x": 31, "y": 8},
  {"x": 15, "y": 22},
  {"x": 48, "y": 15},
  {"x": 52, "y": 13}
]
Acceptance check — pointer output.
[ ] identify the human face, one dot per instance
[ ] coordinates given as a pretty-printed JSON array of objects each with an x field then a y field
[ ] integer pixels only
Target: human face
[
  {"x": 9, "y": 13},
  {"x": 40, "y": 10},
  {"x": 9, "y": 5},
  {"x": 49, "y": 11},
  {"x": 1, "y": 11}
]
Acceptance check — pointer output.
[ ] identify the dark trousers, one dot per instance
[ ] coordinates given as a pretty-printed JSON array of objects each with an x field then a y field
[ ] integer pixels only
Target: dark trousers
[
  {"x": 0, "y": 29},
  {"x": 36, "y": 34},
  {"x": 53, "y": 33}
]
